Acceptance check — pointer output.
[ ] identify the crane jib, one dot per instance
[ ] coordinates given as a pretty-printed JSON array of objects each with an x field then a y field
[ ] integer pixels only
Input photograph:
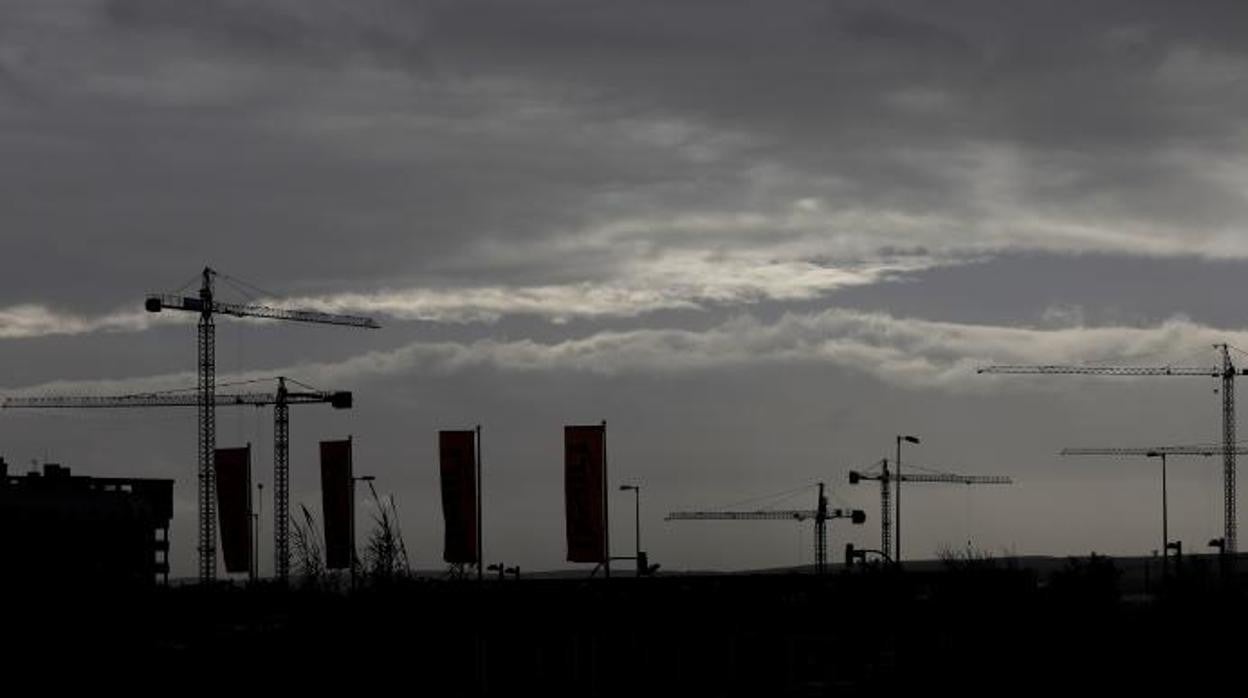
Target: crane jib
[
  {"x": 339, "y": 400},
  {"x": 157, "y": 303}
]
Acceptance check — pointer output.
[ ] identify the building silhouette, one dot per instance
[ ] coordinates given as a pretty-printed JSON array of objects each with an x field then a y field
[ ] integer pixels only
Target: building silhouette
[{"x": 58, "y": 529}]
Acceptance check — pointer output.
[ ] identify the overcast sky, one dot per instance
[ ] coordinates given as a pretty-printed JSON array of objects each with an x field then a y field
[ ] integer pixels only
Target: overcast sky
[{"x": 760, "y": 239}]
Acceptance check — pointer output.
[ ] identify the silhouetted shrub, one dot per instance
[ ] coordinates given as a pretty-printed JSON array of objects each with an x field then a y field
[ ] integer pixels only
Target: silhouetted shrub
[
  {"x": 309, "y": 558},
  {"x": 1093, "y": 581},
  {"x": 385, "y": 554}
]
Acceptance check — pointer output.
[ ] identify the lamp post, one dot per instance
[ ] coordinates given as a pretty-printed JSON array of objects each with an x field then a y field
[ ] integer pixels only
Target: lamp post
[
  {"x": 636, "y": 489},
  {"x": 355, "y": 562},
  {"x": 255, "y": 531},
  {"x": 1165, "y": 518},
  {"x": 897, "y": 504}
]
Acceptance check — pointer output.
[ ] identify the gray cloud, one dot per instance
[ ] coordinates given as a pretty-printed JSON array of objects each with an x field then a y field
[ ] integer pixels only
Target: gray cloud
[
  {"x": 645, "y": 172},
  {"x": 688, "y": 281},
  {"x": 25, "y": 321},
  {"x": 317, "y": 33},
  {"x": 901, "y": 351}
]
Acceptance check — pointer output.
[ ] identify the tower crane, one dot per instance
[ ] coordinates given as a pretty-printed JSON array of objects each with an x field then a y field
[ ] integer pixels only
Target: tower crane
[
  {"x": 281, "y": 402},
  {"x": 885, "y": 478},
  {"x": 1226, "y": 371},
  {"x": 820, "y": 514},
  {"x": 207, "y": 306},
  {"x": 1161, "y": 452}
]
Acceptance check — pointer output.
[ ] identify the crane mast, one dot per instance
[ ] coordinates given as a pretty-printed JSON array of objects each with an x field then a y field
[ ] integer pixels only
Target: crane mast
[
  {"x": 1228, "y": 456},
  {"x": 886, "y": 509},
  {"x": 207, "y": 438},
  {"x": 1226, "y": 371},
  {"x": 281, "y": 483}
]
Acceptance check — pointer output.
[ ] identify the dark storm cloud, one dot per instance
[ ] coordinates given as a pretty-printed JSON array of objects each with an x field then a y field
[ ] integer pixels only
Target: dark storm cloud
[
  {"x": 445, "y": 144},
  {"x": 325, "y": 34},
  {"x": 1088, "y": 99},
  {"x": 163, "y": 143}
]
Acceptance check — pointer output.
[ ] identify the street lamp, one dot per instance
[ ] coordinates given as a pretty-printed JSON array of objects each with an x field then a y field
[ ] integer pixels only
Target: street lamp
[
  {"x": 897, "y": 505},
  {"x": 255, "y": 530},
  {"x": 1165, "y": 518},
  {"x": 354, "y": 558},
  {"x": 636, "y": 489}
]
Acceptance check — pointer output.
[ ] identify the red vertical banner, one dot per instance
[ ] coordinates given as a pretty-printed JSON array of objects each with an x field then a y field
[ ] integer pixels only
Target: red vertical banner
[
  {"x": 457, "y": 453},
  {"x": 584, "y": 455},
  {"x": 336, "y": 504},
  {"x": 232, "y": 467}
]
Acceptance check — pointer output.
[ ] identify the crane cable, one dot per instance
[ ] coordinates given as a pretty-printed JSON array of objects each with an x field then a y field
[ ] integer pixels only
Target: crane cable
[
  {"x": 774, "y": 498},
  {"x": 249, "y": 290}
]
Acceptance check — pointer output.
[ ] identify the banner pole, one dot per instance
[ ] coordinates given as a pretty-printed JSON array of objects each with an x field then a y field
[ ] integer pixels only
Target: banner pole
[
  {"x": 253, "y": 520},
  {"x": 606, "y": 512},
  {"x": 351, "y": 509},
  {"x": 480, "y": 536}
]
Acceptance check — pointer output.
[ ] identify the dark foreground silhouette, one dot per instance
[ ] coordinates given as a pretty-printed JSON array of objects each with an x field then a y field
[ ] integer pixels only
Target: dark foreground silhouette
[{"x": 970, "y": 628}]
